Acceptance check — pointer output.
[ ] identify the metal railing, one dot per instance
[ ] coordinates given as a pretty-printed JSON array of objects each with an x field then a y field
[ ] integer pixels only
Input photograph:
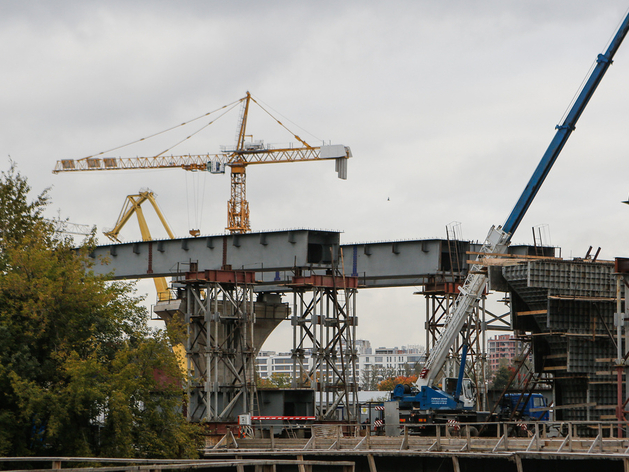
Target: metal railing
[
  {"x": 559, "y": 437},
  {"x": 102, "y": 464}
]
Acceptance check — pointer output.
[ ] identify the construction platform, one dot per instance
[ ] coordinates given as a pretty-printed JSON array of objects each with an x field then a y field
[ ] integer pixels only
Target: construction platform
[
  {"x": 545, "y": 446},
  {"x": 342, "y": 448}
]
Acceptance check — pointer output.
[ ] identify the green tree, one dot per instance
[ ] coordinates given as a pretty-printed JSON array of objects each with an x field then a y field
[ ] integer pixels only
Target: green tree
[
  {"x": 502, "y": 377},
  {"x": 276, "y": 380},
  {"x": 80, "y": 372},
  {"x": 18, "y": 216}
]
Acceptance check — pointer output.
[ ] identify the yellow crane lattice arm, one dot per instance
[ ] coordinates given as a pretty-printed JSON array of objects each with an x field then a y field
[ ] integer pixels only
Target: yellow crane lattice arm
[
  {"x": 195, "y": 162},
  {"x": 187, "y": 162},
  {"x": 133, "y": 205}
]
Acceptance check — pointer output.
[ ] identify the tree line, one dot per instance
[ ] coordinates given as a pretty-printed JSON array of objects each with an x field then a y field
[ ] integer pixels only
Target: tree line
[{"x": 81, "y": 373}]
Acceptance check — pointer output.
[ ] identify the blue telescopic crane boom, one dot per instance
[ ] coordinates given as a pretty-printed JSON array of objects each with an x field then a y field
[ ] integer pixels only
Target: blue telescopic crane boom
[
  {"x": 603, "y": 61},
  {"x": 498, "y": 238}
]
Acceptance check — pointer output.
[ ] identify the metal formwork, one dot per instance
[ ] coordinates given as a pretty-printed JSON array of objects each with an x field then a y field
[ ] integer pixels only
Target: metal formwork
[
  {"x": 220, "y": 346},
  {"x": 569, "y": 307},
  {"x": 324, "y": 323}
]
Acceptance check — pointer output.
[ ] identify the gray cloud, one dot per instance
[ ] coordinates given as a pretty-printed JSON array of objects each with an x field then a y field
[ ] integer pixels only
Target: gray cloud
[{"x": 448, "y": 107}]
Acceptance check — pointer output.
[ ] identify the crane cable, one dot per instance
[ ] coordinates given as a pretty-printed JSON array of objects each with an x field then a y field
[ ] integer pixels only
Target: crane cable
[
  {"x": 229, "y": 105},
  {"x": 195, "y": 198},
  {"x": 285, "y": 118},
  {"x": 197, "y": 131},
  {"x": 284, "y": 126},
  {"x": 589, "y": 72},
  {"x": 197, "y": 212}
]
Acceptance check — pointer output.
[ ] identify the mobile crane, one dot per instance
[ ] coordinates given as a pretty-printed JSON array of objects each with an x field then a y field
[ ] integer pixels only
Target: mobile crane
[{"x": 425, "y": 403}]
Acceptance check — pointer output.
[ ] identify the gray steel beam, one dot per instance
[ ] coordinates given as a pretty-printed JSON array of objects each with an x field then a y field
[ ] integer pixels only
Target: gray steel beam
[
  {"x": 266, "y": 253},
  {"x": 396, "y": 263},
  {"x": 274, "y": 256}
]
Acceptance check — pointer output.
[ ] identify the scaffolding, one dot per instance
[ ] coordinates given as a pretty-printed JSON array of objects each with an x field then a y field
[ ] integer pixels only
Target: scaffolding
[
  {"x": 324, "y": 324},
  {"x": 438, "y": 307},
  {"x": 440, "y": 293},
  {"x": 220, "y": 347}
]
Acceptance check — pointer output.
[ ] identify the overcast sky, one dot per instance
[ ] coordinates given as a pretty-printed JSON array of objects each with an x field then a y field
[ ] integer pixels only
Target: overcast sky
[{"x": 447, "y": 106}]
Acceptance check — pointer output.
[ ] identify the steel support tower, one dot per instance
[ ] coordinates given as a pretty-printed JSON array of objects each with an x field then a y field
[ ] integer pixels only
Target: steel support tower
[
  {"x": 219, "y": 312},
  {"x": 324, "y": 323},
  {"x": 439, "y": 298},
  {"x": 438, "y": 307}
]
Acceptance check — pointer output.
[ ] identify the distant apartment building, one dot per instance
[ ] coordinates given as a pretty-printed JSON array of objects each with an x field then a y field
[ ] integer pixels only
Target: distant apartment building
[
  {"x": 270, "y": 362},
  {"x": 502, "y": 346},
  {"x": 393, "y": 361},
  {"x": 381, "y": 361}
]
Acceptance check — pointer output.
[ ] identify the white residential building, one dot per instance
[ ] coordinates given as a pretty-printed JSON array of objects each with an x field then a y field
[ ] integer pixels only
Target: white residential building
[{"x": 382, "y": 362}]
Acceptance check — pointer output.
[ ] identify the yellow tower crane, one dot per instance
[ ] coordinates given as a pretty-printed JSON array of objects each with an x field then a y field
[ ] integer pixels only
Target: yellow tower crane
[
  {"x": 245, "y": 153},
  {"x": 133, "y": 205}
]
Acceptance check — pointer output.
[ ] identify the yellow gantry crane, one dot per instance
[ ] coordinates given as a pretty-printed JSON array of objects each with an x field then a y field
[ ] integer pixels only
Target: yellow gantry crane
[
  {"x": 133, "y": 205},
  {"x": 245, "y": 153}
]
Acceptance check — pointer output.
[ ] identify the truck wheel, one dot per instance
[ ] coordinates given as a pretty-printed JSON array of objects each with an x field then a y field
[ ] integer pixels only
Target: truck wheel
[{"x": 454, "y": 431}]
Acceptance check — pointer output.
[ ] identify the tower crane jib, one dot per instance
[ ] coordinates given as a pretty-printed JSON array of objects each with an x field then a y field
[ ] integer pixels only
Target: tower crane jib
[{"x": 238, "y": 159}]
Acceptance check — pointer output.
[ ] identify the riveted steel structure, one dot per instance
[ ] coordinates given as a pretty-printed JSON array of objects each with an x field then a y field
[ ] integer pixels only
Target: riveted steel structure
[
  {"x": 324, "y": 308},
  {"x": 324, "y": 322}
]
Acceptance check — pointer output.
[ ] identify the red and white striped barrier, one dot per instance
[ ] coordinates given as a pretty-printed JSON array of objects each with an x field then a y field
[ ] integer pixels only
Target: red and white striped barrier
[
  {"x": 284, "y": 418},
  {"x": 378, "y": 423},
  {"x": 454, "y": 424},
  {"x": 379, "y": 408}
]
